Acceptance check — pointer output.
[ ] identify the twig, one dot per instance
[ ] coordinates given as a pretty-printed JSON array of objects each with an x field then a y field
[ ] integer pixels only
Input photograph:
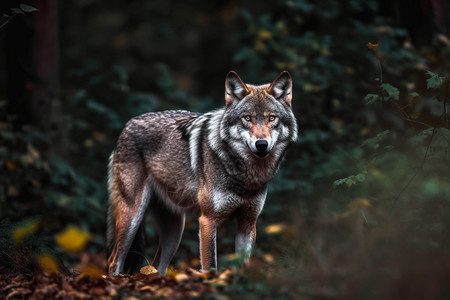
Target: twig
[
  {"x": 7, "y": 20},
  {"x": 379, "y": 66},
  {"x": 20, "y": 266},
  {"x": 435, "y": 129},
  {"x": 140, "y": 255}
]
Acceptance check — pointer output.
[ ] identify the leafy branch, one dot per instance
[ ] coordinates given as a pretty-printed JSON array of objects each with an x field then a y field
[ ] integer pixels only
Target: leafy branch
[
  {"x": 21, "y": 10},
  {"x": 438, "y": 134}
]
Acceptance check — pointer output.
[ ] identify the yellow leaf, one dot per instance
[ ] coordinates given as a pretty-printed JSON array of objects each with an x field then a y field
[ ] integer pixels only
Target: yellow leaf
[
  {"x": 150, "y": 288},
  {"x": 285, "y": 65},
  {"x": 48, "y": 264},
  {"x": 180, "y": 277},
  {"x": 147, "y": 270},
  {"x": 171, "y": 273},
  {"x": 359, "y": 202},
  {"x": 275, "y": 228},
  {"x": 312, "y": 87},
  {"x": 269, "y": 258},
  {"x": 73, "y": 239},
  {"x": 233, "y": 256},
  {"x": 92, "y": 272},
  {"x": 165, "y": 292},
  {"x": 372, "y": 46},
  {"x": 259, "y": 45},
  {"x": 264, "y": 34},
  {"x": 24, "y": 230}
]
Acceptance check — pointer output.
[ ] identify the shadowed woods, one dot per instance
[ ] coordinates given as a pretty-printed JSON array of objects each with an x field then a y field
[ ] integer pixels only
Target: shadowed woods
[{"x": 359, "y": 208}]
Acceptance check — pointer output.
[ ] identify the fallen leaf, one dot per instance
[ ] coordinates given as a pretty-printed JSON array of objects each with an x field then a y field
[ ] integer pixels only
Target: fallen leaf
[
  {"x": 91, "y": 272},
  {"x": 48, "y": 264},
  {"x": 147, "y": 270}
]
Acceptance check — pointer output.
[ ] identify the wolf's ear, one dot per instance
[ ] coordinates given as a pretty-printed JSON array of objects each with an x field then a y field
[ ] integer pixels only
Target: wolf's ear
[
  {"x": 235, "y": 88},
  {"x": 281, "y": 88}
]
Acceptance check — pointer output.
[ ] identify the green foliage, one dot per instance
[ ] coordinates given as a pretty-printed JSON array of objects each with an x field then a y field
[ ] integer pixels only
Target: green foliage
[
  {"x": 435, "y": 81},
  {"x": 392, "y": 93},
  {"x": 352, "y": 179},
  {"x": 21, "y": 10},
  {"x": 27, "y": 8}
]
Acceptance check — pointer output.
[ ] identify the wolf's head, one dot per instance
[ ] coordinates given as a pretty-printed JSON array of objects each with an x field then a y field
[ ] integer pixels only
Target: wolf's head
[{"x": 259, "y": 119}]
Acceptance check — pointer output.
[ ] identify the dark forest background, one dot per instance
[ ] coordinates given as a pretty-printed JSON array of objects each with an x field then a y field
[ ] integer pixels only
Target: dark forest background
[{"x": 360, "y": 207}]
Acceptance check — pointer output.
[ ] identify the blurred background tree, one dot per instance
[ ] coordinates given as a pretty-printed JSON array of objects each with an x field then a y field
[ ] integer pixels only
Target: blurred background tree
[{"x": 74, "y": 72}]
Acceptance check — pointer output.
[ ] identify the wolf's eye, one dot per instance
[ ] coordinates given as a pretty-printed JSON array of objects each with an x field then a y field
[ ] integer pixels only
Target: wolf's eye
[
  {"x": 247, "y": 118},
  {"x": 272, "y": 118}
]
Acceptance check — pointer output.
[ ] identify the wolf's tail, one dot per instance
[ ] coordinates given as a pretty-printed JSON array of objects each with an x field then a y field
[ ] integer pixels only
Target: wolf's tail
[{"x": 134, "y": 260}]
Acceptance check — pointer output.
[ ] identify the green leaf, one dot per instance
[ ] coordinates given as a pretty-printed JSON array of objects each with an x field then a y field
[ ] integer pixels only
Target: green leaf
[
  {"x": 372, "y": 98},
  {"x": 351, "y": 180},
  {"x": 441, "y": 138},
  {"x": 27, "y": 8},
  {"x": 392, "y": 92},
  {"x": 414, "y": 94},
  {"x": 373, "y": 142},
  {"x": 435, "y": 81},
  {"x": 17, "y": 11}
]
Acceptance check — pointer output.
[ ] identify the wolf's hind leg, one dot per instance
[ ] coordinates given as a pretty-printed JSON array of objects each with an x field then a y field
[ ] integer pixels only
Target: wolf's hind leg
[
  {"x": 130, "y": 198},
  {"x": 170, "y": 226}
]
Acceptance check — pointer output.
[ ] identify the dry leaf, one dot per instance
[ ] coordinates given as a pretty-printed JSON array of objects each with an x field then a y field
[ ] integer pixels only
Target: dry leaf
[{"x": 147, "y": 270}]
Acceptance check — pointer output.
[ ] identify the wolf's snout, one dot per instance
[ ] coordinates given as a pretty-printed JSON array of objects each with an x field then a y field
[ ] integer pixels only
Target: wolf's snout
[{"x": 261, "y": 145}]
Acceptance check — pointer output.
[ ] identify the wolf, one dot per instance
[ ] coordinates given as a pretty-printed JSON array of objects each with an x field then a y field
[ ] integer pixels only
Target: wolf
[{"x": 211, "y": 166}]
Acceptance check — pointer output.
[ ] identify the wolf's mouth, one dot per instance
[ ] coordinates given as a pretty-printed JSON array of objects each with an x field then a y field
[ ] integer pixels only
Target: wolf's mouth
[
  {"x": 261, "y": 154},
  {"x": 257, "y": 153}
]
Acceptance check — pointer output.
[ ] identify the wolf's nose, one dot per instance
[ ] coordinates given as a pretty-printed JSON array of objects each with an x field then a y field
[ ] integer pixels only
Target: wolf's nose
[{"x": 261, "y": 145}]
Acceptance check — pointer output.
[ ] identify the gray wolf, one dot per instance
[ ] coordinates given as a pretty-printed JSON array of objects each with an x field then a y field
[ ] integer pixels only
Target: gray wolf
[{"x": 211, "y": 166}]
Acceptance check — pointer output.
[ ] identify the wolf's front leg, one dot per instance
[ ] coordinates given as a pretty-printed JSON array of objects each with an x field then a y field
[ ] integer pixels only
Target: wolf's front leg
[
  {"x": 245, "y": 236},
  {"x": 208, "y": 248}
]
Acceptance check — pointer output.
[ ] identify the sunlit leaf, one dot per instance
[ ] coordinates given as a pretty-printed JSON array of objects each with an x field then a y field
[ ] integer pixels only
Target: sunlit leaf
[
  {"x": 48, "y": 263},
  {"x": 147, "y": 270},
  {"x": 92, "y": 272},
  {"x": 373, "y": 46},
  {"x": 73, "y": 239},
  {"x": 359, "y": 202},
  {"x": 24, "y": 230},
  {"x": 264, "y": 34},
  {"x": 275, "y": 228}
]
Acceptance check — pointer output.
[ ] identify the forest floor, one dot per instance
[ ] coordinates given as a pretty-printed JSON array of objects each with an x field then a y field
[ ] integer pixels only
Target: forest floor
[{"x": 90, "y": 282}]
